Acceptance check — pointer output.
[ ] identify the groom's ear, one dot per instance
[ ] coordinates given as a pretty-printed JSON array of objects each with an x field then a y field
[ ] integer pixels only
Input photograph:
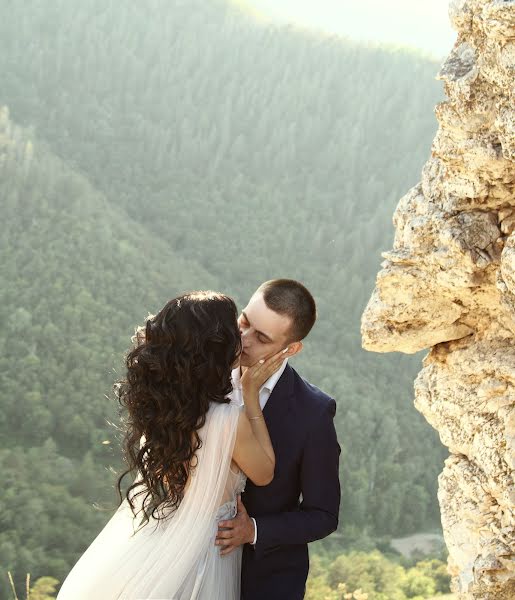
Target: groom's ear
[{"x": 293, "y": 349}]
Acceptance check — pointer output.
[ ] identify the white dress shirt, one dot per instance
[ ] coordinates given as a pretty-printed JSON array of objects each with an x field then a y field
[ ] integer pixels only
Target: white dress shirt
[{"x": 264, "y": 393}]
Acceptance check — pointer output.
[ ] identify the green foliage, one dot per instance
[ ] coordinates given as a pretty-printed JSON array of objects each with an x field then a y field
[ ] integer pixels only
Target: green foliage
[
  {"x": 435, "y": 570},
  {"x": 357, "y": 576},
  {"x": 162, "y": 165},
  {"x": 372, "y": 576},
  {"x": 371, "y": 572},
  {"x": 43, "y": 589}
]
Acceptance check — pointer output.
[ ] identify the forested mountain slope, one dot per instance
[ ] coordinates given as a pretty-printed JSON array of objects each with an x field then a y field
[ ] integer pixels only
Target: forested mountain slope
[
  {"x": 77, "y": 275},
  {"x": 198, "y": 149}
]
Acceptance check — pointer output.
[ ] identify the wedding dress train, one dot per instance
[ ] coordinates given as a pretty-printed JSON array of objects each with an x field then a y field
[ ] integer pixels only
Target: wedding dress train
[{"x": 175, "y": 559}]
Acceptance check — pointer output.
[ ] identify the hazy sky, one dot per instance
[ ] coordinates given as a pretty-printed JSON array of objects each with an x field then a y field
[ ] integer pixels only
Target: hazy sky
[{"x": 423, "y": 24}]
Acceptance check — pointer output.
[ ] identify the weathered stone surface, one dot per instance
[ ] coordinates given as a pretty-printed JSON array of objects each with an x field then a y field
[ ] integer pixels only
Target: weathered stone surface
[{"x": 448, "y": 284}]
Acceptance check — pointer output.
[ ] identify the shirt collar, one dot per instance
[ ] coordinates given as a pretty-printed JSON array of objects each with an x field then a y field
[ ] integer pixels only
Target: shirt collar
[{"x": 271, "y": 381}]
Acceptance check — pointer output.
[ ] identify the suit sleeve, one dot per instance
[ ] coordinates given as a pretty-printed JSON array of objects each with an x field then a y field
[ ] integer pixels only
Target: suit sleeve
[{"x": 317, "y": 515}]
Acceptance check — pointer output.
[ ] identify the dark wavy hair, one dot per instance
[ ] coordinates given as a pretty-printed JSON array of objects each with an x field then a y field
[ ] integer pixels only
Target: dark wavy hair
[{"x": 181, "y": 363}]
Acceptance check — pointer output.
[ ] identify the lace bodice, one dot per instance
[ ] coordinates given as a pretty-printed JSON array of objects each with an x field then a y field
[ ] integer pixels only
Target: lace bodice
[{"x": 236, "y": 482}]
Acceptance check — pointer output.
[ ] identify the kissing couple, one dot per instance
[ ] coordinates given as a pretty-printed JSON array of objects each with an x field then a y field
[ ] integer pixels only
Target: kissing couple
[{"x": 235, "y": 454}]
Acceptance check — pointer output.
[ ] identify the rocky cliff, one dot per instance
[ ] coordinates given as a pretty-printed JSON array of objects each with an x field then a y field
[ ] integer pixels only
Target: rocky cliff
[{"x": 448, "y": 284}]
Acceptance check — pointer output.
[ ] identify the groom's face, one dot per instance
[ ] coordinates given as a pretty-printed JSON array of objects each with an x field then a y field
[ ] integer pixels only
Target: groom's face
[{"x": 263, "y": 331}]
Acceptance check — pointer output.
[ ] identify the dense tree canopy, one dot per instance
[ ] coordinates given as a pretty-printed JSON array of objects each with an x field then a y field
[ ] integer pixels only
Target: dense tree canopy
[{"x": 166, "y": 146}]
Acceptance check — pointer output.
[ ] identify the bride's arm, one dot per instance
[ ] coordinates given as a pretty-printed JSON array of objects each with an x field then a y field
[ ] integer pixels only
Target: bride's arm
[{"x": 253, "y": 450}]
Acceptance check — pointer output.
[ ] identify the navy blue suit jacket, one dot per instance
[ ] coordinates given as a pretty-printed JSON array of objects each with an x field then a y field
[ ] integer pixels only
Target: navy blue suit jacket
[{"x": 299, "y": 418}]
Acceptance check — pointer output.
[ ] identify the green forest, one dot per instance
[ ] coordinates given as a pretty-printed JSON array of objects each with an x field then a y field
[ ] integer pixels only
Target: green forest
[{"x": 157, "y": 147}]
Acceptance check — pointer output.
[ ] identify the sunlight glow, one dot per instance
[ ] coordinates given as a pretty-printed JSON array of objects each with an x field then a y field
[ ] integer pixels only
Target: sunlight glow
[{"x": 416, "y": 23}]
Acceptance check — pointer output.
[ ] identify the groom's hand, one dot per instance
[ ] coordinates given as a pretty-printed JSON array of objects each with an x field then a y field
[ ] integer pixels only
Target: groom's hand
[{"x": 235, "y": 532}]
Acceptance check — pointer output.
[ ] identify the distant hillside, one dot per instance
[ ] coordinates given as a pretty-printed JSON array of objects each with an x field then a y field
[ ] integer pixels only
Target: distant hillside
[
  {"x": 77, "y": 275},
  {"x": 181, "y": 145}
]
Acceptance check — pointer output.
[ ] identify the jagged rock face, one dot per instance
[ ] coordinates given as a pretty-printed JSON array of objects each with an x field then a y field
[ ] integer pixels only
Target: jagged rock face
[{"x": 448, "y": 284}]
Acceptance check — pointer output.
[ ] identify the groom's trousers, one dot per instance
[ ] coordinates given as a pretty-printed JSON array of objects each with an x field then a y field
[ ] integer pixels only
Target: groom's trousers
[{"x": 280, "y": 574}]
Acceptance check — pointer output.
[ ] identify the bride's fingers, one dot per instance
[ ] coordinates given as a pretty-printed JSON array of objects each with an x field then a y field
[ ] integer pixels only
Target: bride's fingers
[
  {"x": 278, "y": 355},
  {"x": 270, "y": 370},
  {"x": 271, "y": 364},
  {"x": 264, "y": 363},
  {"x": 264, "y": 368}
]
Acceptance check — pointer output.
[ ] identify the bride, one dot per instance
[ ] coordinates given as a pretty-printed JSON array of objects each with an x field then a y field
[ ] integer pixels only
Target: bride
[{"x": 191, "y": 448}]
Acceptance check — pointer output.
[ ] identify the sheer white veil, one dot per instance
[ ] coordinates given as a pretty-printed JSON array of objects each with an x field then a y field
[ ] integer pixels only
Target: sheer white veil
[{"x": 157, "y": 560}]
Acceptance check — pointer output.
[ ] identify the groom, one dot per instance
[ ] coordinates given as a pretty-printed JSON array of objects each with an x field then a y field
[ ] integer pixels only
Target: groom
[{"x": 275, "y": 522}]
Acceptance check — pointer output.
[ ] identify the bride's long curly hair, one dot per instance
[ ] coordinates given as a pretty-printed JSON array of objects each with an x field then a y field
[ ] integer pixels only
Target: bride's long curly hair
[{"x": 181, "y": 362}]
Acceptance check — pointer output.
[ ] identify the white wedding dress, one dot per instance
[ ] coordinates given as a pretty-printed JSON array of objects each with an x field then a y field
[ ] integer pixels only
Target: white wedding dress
[{"x": 175, "y": 559}]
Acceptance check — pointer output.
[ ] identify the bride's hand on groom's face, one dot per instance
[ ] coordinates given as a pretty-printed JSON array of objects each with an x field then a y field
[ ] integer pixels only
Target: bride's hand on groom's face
[
  {"x": 256, "y": 375},
  {"x": 235, "y": 532}
]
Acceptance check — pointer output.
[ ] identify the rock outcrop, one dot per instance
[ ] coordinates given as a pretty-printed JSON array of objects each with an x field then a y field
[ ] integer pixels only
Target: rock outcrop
[{"x": 448, "y": 284}]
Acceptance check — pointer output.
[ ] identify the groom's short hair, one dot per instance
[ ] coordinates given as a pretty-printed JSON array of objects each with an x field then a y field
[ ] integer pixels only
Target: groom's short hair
[{"x": 291, "y": 298}]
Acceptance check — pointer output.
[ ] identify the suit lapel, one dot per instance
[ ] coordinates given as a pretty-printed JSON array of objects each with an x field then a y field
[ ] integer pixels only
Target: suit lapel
[{"x": 281, "y": 398}]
